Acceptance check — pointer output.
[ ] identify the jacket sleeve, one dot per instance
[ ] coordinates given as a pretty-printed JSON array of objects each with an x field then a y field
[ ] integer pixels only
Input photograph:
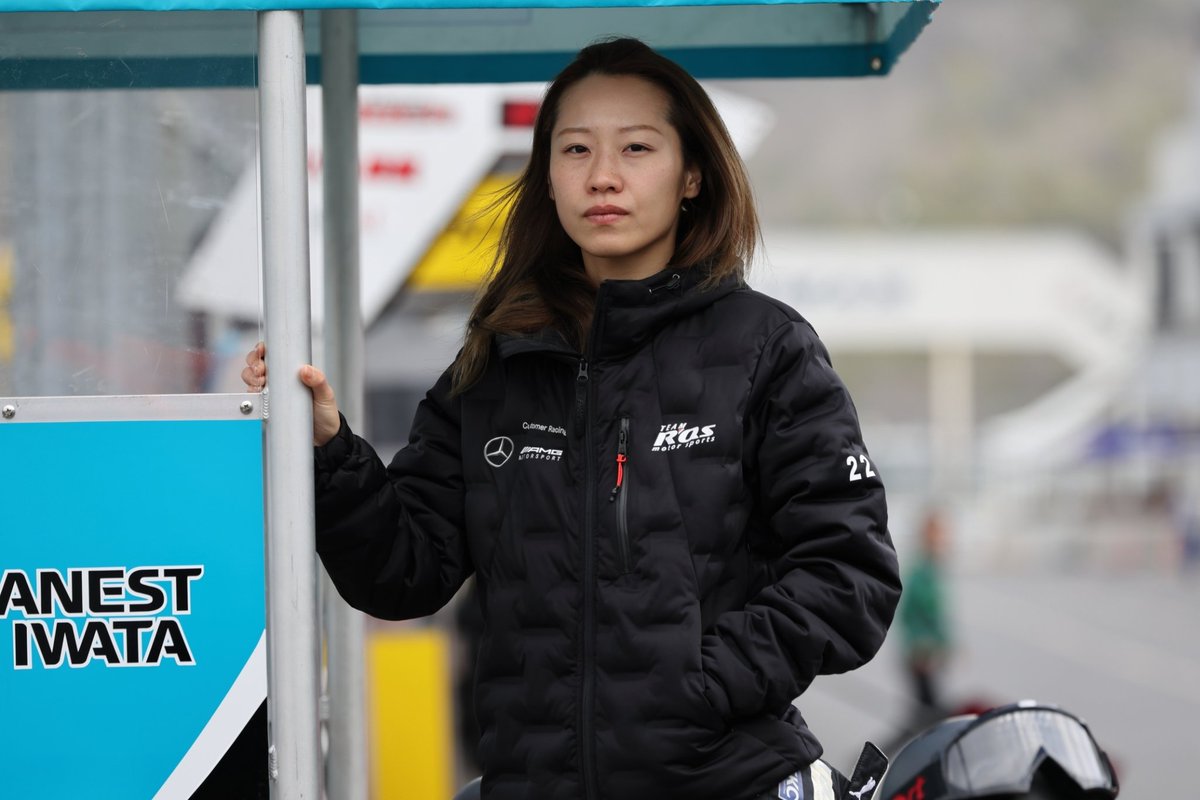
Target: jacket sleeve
[
  {"x": 393, "y": 539},
  {"x": 834, "y": 579}
]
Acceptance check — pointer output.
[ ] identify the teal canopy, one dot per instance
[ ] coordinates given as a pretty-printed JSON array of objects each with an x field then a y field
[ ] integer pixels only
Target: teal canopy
[{"x": 74, "y": 44}]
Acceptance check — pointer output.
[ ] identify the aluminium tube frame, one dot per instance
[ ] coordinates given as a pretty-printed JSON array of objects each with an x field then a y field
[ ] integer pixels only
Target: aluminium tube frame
[
  {"x": 293, "y": 644},
  {"x": 346, "y": 767}
]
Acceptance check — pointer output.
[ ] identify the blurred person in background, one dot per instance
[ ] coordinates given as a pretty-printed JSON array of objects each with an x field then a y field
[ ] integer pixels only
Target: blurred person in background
[
  {"x": 924, "y": 624},
  {"x": 652, "y": 471},
  {"x": 1186, "y": 520}
]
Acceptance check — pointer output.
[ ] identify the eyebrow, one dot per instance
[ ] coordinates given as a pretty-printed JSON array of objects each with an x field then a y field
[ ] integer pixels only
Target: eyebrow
[{"x": 626, "y": 129}]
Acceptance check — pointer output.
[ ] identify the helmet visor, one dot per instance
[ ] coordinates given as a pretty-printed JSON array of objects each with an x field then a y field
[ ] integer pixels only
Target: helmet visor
[{"x": 1002, "y": 753}]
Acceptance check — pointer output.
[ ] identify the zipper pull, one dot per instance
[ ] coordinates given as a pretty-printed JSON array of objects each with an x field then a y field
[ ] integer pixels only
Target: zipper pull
[
  {"x": 673, "y": 283},
  {"x": 581, "y": 381},
  {"x": 622, "y": 458}
]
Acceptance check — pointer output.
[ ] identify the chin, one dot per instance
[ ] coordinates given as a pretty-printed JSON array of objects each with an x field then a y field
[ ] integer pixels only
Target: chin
[
  {"x": 610, "y": 252},
  {"x": 606, "y": 249}
]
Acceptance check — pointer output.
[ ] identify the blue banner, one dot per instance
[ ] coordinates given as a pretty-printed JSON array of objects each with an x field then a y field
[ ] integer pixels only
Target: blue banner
[{"x": 132, "y": 603}]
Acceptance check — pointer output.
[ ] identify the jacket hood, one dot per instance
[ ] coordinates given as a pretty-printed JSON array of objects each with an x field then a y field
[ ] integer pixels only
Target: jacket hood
[{"x": 629, "y": 313}]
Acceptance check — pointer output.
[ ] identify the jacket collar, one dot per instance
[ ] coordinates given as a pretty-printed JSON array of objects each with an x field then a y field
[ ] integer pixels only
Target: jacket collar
[
  {"x": 628, "y": 314},
  {"x": 547, "y": 340}
]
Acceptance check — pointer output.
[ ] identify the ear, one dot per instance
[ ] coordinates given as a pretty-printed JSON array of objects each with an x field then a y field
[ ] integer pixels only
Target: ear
[
  {"x": 691, "y": 182},
  {"x": 550, "y": 186}
]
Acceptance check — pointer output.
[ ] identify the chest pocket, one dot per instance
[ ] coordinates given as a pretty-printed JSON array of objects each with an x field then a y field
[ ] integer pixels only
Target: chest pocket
[
  {"x": 516, "y": 453},
  {"x": 686, "y": 471}
]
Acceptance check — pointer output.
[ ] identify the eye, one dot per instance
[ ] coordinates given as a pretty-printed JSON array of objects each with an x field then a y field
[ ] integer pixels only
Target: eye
[
  {"x": 638, "y": 148},
  {"x": 575, "y": 149}
]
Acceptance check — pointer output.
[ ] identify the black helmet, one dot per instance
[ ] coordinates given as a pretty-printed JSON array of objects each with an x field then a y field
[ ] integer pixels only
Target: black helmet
[{"x": 1026, "y": 750}]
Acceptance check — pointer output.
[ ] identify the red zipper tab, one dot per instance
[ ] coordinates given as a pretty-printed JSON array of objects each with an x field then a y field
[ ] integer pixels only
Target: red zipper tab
[{"x": 622, "y": 447}]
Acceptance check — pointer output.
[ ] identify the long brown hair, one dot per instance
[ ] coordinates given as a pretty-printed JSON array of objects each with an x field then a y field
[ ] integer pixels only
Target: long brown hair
[{"x": 538, "y": 280}]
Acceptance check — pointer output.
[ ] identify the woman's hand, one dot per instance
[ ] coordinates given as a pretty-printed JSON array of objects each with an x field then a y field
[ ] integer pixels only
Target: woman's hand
[
  {"x": 254, "y": 374},
  {"x": 325, "y": 412}
]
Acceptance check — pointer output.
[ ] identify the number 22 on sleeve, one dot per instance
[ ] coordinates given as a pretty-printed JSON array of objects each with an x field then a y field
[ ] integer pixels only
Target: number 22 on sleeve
[{"x": 853, "y": 462}]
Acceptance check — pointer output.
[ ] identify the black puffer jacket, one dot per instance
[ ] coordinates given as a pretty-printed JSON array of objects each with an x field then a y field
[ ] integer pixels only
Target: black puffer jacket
[{"x": 673, "y": 536}]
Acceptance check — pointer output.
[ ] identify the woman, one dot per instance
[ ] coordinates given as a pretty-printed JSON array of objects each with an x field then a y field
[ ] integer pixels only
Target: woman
[{"x": 652, "y": 470}]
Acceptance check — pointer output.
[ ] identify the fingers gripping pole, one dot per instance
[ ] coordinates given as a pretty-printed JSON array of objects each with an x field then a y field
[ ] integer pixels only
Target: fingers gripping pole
[{"x": 292, "y": 629}]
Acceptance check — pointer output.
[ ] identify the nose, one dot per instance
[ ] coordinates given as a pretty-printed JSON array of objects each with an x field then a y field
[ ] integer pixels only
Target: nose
[{"x": 605, "y": 176}]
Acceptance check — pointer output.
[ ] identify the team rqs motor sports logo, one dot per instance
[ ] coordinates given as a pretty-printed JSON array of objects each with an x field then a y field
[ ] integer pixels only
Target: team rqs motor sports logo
[{"x": 675, "y": 435}]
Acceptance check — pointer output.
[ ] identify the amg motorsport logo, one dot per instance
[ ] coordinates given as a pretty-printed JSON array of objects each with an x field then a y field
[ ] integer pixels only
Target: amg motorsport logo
[
  {"x": 533, "y": 453},
  {"x": 119, "y": 617},
  {"x": 680, "y": 434},
  {"x": 499, "y": 449}
]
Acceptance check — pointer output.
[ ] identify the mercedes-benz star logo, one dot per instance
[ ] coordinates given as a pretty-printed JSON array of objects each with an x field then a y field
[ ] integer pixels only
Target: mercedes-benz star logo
[{"x": 498, "y": 451}]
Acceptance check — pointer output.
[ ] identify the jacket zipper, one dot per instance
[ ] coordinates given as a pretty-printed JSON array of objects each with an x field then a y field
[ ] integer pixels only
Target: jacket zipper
[
  {"x": 587, "y": 705},
  {"x": 588, "y": 701},
  {"x": 672, "y": 283},
  {"x": 581, "y": 384},
  {"x": 621, "y": 497}
]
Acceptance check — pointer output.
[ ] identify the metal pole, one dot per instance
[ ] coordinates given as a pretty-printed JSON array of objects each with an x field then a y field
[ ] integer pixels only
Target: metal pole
[
  {"x": 293, "y": 657},
  {"x": 346, "y": 768}
]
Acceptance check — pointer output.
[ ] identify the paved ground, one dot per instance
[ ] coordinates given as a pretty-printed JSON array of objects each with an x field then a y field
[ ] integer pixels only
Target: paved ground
[{"x": 1120, "y": 650}]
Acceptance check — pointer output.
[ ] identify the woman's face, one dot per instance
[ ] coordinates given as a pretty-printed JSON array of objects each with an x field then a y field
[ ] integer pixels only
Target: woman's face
[{"x": 617, "y": 175}]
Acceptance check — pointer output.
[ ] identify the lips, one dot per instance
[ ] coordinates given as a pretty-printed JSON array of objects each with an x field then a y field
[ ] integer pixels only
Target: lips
[{"x": 605, "y": 214}]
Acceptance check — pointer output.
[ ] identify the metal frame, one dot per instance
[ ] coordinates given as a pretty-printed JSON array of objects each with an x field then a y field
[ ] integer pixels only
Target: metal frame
[
  {"x": 345, "y": 628},
  {"x": 117, "y": 408},
  {"x": 141, "y": 49},
  {"x": 293, "y": 641}
]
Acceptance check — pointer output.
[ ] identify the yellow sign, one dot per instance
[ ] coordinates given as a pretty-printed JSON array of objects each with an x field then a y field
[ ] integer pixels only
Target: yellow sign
[
  {"x": 461, "y": 256},
  {"x": 411, "y": 714}
]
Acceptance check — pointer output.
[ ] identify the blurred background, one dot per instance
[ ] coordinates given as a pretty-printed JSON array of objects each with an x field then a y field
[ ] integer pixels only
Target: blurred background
[{"x": 999, "y": 242}]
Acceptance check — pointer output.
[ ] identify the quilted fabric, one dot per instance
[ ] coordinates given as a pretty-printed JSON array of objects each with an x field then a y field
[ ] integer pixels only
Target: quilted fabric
[{"x": 673, "y": 534}]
